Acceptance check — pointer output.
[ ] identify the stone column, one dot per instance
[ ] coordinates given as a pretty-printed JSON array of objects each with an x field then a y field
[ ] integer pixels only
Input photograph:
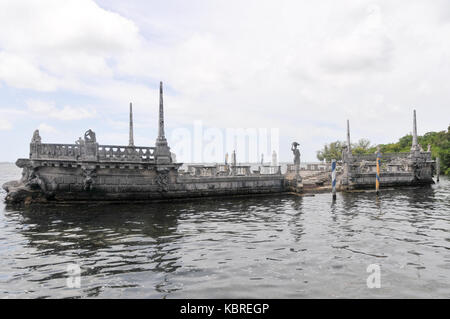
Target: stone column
[
  {"x": 415, "y": 146},
  {"x": 131, "y": 138}
]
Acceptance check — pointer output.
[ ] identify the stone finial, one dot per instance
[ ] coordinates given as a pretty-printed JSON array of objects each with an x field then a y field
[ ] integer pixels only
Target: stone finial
[
  {"x": 131, "y": 137},
  {"x": 274, "y": 158},
  {"x": 349, "y": 146},
  {"x": 226, "y": 159},
  {"x": 415, "y": 146},
  {"x": 36, "y": 139},
  {"x": 262, "y": 158},
  {"x": 233, "y": 158}
]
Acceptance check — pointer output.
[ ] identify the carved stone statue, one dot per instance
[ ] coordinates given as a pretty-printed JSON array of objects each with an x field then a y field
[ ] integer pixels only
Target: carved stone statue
[
  {"x": 226, "y": 159},
  {"x": 233, "y": 158},
  {"x": 429, "y": 148},
  {"x": 89, "y": 136},
  {"x": 296, "y": 153},
  {"x": 274, "y": 158},
  {"x": 36, "y": 137},
  {"x": 80, "y": 141}
]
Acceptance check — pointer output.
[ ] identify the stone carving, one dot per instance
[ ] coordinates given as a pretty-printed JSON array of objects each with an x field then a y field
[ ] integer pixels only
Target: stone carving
[
  {"x": 162, "y": 180},
  {"x": 274, "y": 158},
  {"x": 36, "y": 139},
  {"x": 233, "y": 159},
  {"x": 80, "y": 141},
  {"x": 364, "y": 167},
  {"x": 89, "y": 136},
  {"x": 296, "y": 153},
  {"x": 429, "y": 148},
  {"x": 34, "y": 181},
  {"x": 88, "y": 178},
  {"x": 226, "y": 159}
]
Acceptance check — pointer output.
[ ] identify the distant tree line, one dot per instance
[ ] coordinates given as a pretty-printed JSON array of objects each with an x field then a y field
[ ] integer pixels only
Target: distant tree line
[{"x": 439, "y": 141}]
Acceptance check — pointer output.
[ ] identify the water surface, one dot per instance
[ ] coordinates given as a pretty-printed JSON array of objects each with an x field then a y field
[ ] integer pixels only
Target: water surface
[{"x": 260, "y": 247}]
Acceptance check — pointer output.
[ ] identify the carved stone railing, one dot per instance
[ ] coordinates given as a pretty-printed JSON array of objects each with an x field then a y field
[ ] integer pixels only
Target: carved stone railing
[
  {"x": 92, "y": 151},
  {"x": 55, "y": 151},
  {"x": 202, "y": 170},
  {"x": 384, "y": 156},
  {"x": 270, "y": 170},
  {"x": 241, "y": 170},
  {"x": 291, "y": 168},
  {"x": 125, "y": 153}
]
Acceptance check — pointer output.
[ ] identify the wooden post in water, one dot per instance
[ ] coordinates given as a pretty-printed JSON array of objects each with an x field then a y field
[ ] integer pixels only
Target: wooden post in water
[
  {"x": 438, "y": 168},
  {"x": 333, "y": 178},
  {"x": 377, "y": 182}
]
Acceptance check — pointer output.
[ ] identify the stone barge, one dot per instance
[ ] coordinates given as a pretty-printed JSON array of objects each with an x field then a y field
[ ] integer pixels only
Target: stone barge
[
  {"x": 89, "y": 171},
  {"x": 412, "y": 168}
]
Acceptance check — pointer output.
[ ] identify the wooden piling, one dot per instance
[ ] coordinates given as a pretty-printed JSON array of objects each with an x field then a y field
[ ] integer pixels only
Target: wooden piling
[
  {"x": 333, "y": 178},
  {"x": 438, "y": 168},
  {"x": 377, "y": 181}
]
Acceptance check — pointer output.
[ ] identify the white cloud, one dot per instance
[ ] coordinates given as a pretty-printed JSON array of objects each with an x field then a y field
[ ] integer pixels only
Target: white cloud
[
  {"x": 5, "y": 124},
  {"x": 301, "y": 66},
  {"x": 47, "y": 129},
  {"x": 66, "y": 113},
  {"x": 50, "y": 44}
]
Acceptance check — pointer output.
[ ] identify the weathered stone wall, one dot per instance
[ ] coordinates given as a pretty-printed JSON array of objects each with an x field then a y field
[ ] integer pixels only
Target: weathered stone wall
[
  {"x": 397, "y": 169},
  {"x": 93, "y": 181}
]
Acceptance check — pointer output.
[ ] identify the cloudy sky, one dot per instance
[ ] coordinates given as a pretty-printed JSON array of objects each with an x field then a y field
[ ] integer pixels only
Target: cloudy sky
[{"x": 301, "y": 66}]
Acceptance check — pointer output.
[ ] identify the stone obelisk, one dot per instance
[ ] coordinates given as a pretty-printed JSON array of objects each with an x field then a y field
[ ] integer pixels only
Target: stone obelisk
[
  {"x": 415, "y": 145},
  {"x": 131, "y": 138},
  {"x": 162, "y": 151}
]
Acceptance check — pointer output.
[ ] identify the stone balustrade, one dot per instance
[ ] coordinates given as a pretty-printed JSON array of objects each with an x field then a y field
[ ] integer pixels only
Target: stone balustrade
[
  {"x": 384, "y": 156},
  {"x": 92, "y": 151},
  {"x": 125, "y": 153},
  {"x": 270, "y": 170},
  {"x": 55, "y": 151}
]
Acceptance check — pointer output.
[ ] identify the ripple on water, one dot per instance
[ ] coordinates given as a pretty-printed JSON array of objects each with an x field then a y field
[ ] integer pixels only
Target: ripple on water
[{"x": 274, "y": 247}]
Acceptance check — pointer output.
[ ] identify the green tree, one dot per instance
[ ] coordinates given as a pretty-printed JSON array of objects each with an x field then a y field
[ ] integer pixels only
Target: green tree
[
  {"x": 331, "y": 151},
  {"x": 361, "y": 147}
]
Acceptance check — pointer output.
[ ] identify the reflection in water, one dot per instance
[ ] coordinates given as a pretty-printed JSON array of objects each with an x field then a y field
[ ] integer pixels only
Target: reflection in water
[{"x": 271, "y": 246}]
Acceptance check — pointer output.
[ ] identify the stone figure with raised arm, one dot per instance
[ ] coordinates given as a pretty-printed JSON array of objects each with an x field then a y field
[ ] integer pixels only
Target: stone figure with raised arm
[
  {"x": 296, "y": 153},
  {"x": 89, "y": 136}
]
